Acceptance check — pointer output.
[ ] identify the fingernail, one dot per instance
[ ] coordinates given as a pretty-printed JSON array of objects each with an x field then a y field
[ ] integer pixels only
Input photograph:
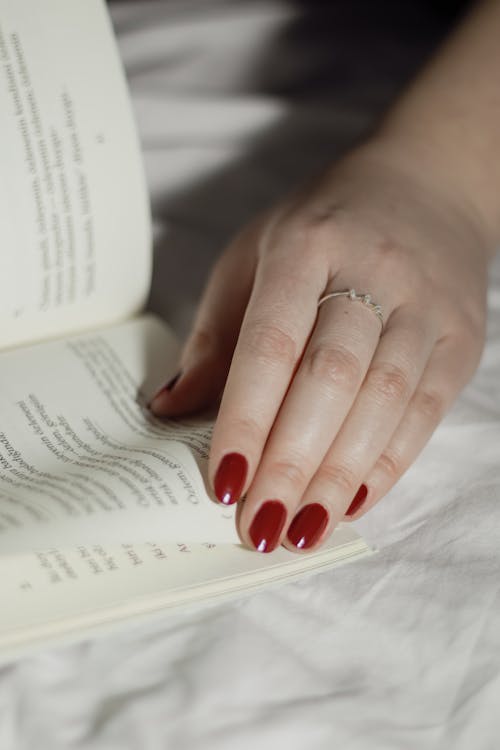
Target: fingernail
[
  {"x": 230, "y": 478},
  {"x": 308, "y": 525},
  {"x": 267, "y": 525},
  {"x": 358, "y": 501},
  {"x": 167, "y": 387}
]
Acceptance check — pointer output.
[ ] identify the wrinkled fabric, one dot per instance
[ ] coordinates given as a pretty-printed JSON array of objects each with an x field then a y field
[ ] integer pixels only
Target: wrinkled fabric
[{"x": 236, "y": 102}]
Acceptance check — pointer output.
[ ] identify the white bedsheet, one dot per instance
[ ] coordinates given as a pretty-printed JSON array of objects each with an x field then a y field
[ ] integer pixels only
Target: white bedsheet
[{"x": 399, "y": 651}]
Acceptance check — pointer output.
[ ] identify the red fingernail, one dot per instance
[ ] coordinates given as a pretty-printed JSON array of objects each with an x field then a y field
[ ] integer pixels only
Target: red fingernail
[
  {"x": 308, "y": 525},
  {"x": 171, "y": 383},
  {"x": 167, "y": 387},
  {"x": 358, "y": 501},
  {"x": 230, "y": 478},
  {"x": 267, "y": 525}
]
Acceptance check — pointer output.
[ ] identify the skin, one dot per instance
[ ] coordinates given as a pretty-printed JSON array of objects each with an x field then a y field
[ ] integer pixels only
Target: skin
[{"x": 318, "y": 401}]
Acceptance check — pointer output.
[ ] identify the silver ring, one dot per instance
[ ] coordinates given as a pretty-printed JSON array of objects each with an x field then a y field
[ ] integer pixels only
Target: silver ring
[{"x": 364, "y": 298}]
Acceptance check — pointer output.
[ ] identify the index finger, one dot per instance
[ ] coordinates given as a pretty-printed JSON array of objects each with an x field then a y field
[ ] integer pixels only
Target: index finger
[{"x": 277, "y": 324}]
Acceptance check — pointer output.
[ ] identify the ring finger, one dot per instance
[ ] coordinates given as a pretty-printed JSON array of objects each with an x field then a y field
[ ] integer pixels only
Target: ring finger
[{"x": 391, "y": 380}]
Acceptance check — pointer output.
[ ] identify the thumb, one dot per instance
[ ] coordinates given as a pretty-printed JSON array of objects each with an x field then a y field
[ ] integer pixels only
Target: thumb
[{"x": 207, "y": 353}]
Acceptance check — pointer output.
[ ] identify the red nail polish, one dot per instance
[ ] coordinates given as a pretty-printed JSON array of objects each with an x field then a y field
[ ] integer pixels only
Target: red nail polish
[
  {"x": 308, "y": 525},
  {"x": 267, "y": 525},
  {"x": 358, "y": 501},
  {"x": 230, "y": 478},
  {"x": 171, "y": 383},
  {"x": 167, "y": 387}
]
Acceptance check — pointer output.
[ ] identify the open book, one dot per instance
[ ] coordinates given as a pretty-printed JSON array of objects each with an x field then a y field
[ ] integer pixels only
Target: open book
[{"x": 104, "y": 510}]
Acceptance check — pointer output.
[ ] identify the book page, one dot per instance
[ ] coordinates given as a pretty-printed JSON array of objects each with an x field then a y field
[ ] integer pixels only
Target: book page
[
  {"x": 89, "y": 479},
  {"x": 73, "y": 592},
  {"x": 74, "y": 218},
  {"x": 82, "y": 460}
]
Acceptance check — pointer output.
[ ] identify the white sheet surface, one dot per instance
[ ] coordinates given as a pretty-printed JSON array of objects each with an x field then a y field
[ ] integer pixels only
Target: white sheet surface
[{"x": 399, "y": 651}]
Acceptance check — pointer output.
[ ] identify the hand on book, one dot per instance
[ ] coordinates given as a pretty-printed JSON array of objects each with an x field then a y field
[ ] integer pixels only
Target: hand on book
[{"x": 324, "y": 408}]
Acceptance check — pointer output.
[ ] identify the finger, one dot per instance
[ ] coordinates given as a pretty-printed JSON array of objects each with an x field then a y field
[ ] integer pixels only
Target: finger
[
  {"x": 392, "y": 378},
  {"x": 441, "y": 382},
  {"x": 322, "y": 393},
  {"x": 278, "y": 321},
  {"x": 206, "y": 356}
]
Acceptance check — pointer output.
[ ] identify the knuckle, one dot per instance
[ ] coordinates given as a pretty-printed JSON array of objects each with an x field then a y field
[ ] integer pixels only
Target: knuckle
[
  {"x": 315, "y": 237},
  {"x": 286, "y": 258},
  {"x": 389, "y": 383},
  {"x": 389, "y": 255},
  {"x": 327, "y": 215},
  {"x": 335, "y": 365},
  {"x": 207, "y": 342},
  {"x": 203, "y": 338},
  {"x": 391, "y": 465},
  {"x": 429, "y": 404},
  {"x": 288, "y": 471},
  {"x": 269, "y": 344},
  {"x": 248, "y": 430},
  {"x": 293, "y": 232},
  {"x": 339, "y": 476}
]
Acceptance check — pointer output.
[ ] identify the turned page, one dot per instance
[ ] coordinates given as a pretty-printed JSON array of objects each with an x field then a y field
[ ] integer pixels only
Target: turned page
[
  {"x": 74, "y": 217},
  {"x": 82, "y": 459}
]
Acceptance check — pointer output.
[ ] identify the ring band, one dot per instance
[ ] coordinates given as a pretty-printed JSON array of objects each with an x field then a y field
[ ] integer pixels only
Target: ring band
[{"x": 364, "y": 298}]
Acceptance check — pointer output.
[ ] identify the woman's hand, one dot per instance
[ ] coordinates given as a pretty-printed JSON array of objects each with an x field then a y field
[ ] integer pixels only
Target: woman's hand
[{"x": 323, "y": 411}]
